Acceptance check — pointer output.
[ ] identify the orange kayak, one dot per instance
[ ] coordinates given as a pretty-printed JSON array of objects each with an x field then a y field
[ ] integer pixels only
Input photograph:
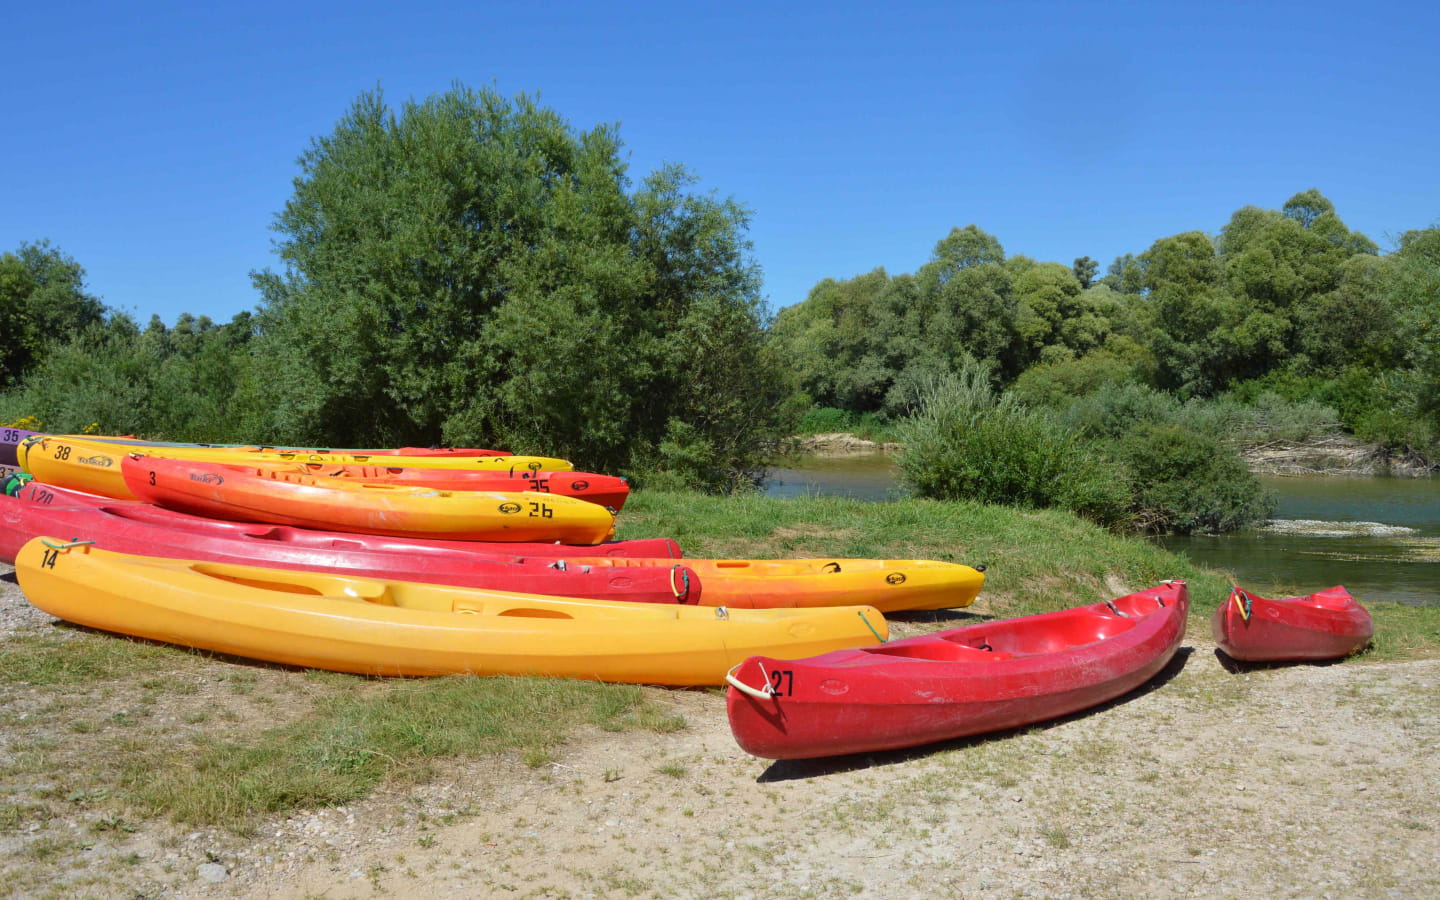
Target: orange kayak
[
  {"x": 889, "y": 585},
  {"x": 606, "y": 490},
  {"x": 265, "y": 495}
]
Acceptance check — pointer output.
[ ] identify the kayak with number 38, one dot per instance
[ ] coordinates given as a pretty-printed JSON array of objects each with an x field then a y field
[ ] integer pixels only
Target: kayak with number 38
[{"x": 94, "y": 465}]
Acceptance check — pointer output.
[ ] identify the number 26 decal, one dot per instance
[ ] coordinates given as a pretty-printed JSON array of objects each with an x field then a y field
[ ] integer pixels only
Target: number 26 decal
[{"x": 541, "y": 510}]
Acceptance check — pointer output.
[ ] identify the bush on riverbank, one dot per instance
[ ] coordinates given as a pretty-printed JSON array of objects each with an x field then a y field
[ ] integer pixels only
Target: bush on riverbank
[
  {"x": 966, "y": 442},
  {"x": 1116, "y": 459}
]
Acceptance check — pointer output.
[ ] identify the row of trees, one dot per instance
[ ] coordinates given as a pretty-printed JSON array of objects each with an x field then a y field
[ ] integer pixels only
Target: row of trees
[
  {"x": 471, "y": 270},
  {"x": 1286, "y": 301},
  {"x": 467, "y": 270}
]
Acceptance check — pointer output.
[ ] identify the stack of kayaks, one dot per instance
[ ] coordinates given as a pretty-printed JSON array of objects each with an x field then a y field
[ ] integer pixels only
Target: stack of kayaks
[
  {"x": 88, "y": 464},
  {"x": 419, "y": 561},
  {"x": 228, "y": 539}
]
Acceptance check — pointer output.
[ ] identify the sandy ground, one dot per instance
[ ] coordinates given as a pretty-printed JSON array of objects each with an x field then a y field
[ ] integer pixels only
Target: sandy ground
[{"x": 1294, "y": 781}]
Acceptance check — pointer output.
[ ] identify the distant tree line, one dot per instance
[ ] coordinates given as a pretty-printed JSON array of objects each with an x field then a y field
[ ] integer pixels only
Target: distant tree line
[{"x": 1285, "y": 303}]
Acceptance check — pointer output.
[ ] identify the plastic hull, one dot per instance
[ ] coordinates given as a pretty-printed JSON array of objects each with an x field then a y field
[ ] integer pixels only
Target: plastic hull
[
  {"x": 663, "y": 549},
  {"x": 1329, "y": 624},
  {"x": 605, "y": 490},
  {"x": 889, "y": 585},
  {"x": 94, "y": 465},
  {"x": 389, "y": 451},
  {"x": 268, "y": 495},
  {"x": 950, "y": 684},
  {"x": 10, "y": 440},
  {"x": 13, "y": 533},
  {"x": 400, "y": 628},
  {"x": 138, "y": 529}
]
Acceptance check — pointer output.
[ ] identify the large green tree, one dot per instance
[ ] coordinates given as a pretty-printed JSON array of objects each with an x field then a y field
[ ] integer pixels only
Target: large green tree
[
  {"x": 471, "y": 269},
  {"x": 43, "y": 303}
]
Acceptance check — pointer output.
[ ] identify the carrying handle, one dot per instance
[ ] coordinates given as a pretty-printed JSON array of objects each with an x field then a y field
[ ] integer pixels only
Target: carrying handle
[{"x": 746, "y": 689}]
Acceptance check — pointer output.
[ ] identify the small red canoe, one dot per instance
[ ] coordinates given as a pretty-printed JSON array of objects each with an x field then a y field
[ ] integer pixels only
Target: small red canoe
[
  {"x": 1325, "y": 625},
  {"x": 26, "y": 490},
  {"x": 964, "y": 681},
  {"x": 140, "y": 529}
]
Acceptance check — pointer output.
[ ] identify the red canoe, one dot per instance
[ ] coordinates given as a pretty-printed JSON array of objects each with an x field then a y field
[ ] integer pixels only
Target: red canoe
[
  {"x": 1324, "y": 625},
  {"x": 138, "y": 528},
  {"x": 38, "y": 492},
  {"x": 964, "y": 681}
]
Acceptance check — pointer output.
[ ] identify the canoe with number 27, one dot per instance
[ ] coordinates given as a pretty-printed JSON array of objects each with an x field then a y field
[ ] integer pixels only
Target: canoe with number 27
[{"x": 964, "y": 681}]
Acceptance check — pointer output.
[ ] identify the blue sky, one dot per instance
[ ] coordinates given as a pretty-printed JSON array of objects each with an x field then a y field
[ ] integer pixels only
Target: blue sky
[{"x": 154, "y": 142}]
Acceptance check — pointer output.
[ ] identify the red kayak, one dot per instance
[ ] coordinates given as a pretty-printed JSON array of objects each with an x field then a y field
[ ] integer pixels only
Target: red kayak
[
  {"x": 37, "y": 492},
  {"x": 964, "y": 681},
  {"x": 1325, "y": 625},
  {"x": 141, "y": 529}
]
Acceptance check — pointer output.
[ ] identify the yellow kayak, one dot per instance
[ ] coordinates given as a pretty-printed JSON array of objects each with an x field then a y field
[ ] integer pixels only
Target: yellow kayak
[
  {"x": 401, "y": 628},
  {"x": 889, "y": 585},
  {"x": 94, "y": 466}
]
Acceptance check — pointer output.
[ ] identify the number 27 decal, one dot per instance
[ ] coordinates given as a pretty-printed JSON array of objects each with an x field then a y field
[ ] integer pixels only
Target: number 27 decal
[{"x": 782, "y": 682}]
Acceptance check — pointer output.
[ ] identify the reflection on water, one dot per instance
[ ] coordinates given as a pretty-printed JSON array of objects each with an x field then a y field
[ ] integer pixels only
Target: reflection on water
[
  {"x": 1380, "y": 537},
  {"x": 871, "y": 476}
]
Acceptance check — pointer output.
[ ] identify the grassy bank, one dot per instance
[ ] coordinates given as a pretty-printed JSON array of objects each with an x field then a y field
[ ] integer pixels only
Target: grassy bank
[{"x": 124, "y": 730}]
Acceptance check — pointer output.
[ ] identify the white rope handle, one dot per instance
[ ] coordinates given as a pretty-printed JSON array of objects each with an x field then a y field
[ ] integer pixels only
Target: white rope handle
[{"x": 746, "y": 689}]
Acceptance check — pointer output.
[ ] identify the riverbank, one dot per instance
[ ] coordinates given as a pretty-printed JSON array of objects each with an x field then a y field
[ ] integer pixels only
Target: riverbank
[
  {"x": 1333, "y": 455},
  {"x": 1274, "y": 781}
]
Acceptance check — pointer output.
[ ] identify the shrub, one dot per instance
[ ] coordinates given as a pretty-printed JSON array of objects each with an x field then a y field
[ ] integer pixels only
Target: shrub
[
  {"x": 964, "y": 442},
  {"x": 1186, "y": 482},
  {"x": 1116, "y": 409}
]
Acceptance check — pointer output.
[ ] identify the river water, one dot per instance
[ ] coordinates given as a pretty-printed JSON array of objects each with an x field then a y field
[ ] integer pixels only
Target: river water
[{"x": 1378, "y": 536}]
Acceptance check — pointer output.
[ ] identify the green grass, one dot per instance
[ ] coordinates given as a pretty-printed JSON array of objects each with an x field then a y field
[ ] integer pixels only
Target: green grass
[
  {"x": 356, "y": 738},
  {"x": 76, "y": 657},
  {"x": 1035, "y": 560}
]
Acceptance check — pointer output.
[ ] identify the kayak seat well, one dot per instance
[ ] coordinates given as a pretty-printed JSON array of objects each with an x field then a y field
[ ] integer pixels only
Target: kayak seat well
[
  {"x": 287, "y": 587},
  {"x": 1062, "y": 633},
  {"x": 532, "y": 612},
  {"x": 940, "y": 650}
]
